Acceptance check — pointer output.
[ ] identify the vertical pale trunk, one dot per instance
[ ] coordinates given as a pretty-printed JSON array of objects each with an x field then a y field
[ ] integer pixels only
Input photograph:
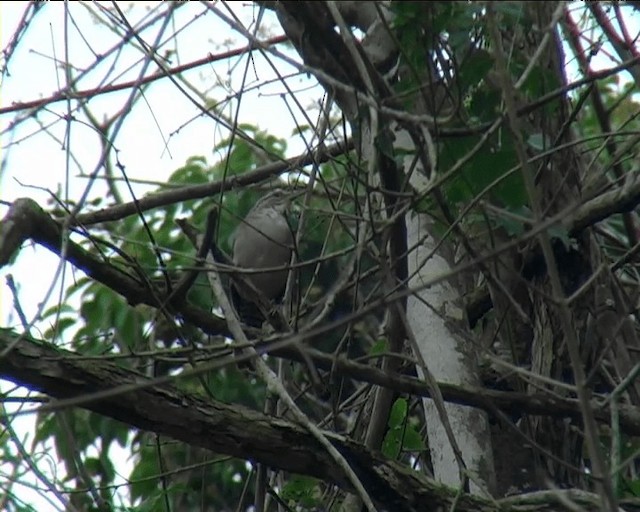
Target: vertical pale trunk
[{"x": 450, "y": 359}]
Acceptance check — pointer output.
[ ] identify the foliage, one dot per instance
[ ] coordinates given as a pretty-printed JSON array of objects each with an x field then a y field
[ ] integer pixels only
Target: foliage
[
  {"x": 577, "y": 142},
  {"x": 402, "y": 434}
]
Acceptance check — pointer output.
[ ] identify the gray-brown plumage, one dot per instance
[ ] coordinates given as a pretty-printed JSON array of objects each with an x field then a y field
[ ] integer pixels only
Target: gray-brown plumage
[{"x": 263, "y": 240}]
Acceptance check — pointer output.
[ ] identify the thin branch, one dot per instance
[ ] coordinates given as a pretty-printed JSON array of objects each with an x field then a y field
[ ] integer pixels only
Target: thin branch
[{"x": 157, "y": 406}]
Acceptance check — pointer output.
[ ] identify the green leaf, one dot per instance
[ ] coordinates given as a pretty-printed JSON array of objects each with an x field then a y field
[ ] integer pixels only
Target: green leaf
[
  {"x": 412, "y": 440},
  {"x": 634, "y": 487},
  {"x": 560, "y": 232},
  {"x": 143, "y": 478},
  {"x": 392, "y": 444},
  {"x": 93, "y": 466},
  {"x": 398, "y": 414},
  {"x": 302, "y": 490},
  {"x": 62, "y": 325},
  {"x": 379, "y": 347},
  {"x": 476, "y": 68},
  {"x": 401, "y": 435}
]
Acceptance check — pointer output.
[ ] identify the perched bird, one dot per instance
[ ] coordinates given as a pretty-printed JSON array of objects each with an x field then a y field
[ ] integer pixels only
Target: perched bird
[{"x": 263, "y": 240}]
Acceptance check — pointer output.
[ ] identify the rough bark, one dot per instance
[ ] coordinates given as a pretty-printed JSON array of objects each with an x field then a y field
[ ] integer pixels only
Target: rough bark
[{"x": 157, "y": 406}]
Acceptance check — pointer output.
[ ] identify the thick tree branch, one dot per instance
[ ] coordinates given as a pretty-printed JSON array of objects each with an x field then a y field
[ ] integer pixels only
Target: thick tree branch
[
  {"x": 224, "y": 429},
  {"x": 26, "y": 220},
  {"x": 159, "y": 407}
]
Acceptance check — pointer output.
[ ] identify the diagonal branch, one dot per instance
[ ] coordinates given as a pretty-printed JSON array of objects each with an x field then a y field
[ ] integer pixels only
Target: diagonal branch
[
  {"x": 157, "y": 406},
  {"x": 26, "y": 220},
  {"x": 209, "y": 189}
]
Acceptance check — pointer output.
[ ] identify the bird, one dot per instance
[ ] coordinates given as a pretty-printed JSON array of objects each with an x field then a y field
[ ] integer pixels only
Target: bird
[{"x": 263, "y": 240}]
